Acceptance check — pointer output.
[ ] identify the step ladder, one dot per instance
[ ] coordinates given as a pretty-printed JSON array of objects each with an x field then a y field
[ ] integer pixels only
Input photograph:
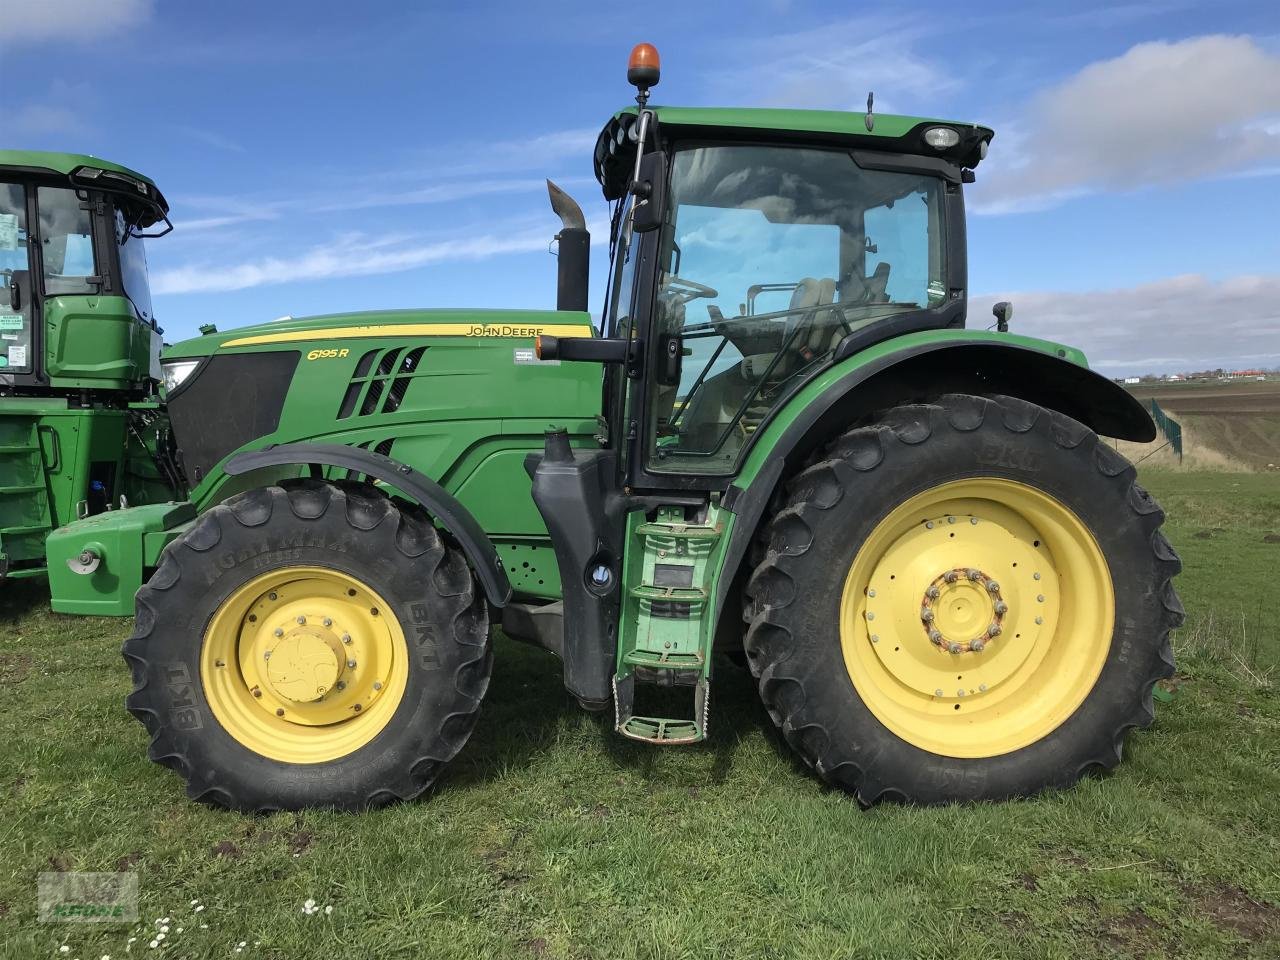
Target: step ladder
[
  {"x": 668, "y": 622},
  {"x": 24, "y": 496}
]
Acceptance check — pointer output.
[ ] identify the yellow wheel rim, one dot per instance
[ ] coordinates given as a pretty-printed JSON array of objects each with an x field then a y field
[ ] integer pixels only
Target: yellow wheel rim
[
  {"x": 304, "y": 664},
  {"x": 977, "y": 617}
]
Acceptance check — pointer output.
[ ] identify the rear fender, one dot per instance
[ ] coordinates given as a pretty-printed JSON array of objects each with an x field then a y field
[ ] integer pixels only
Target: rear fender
[{"x": 914, "y": 369}]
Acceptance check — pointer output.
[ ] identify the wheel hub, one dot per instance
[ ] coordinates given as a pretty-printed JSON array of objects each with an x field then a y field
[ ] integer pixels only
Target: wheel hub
[
  {"x": 305, "y": 664},
  {"x": 962, "y": 610}
]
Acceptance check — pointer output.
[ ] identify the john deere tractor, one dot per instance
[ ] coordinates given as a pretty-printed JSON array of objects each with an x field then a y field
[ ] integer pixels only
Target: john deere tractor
[
  {"x": 784, "y": 441},
  {"x": 81, "y": 431}
]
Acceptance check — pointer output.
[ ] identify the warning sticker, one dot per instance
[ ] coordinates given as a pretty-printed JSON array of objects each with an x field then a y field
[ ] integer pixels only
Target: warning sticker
[
  {"x": 12, "y": 321},
  {"x": 525, "y": 355},
  {"x": 18, "y": 356},
  {"x": 8, "y": 231}
]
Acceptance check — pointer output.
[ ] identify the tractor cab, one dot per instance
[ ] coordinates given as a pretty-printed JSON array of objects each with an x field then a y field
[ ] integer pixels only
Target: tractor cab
[
  {"x": 81, "y": 429},
  {"x": 76, "y": 306}
]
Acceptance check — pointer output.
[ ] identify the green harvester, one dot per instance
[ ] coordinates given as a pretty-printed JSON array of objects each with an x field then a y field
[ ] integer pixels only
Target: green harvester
[
  {"x": 783, "y": 444},
  {"x": 81, "y": 430}
]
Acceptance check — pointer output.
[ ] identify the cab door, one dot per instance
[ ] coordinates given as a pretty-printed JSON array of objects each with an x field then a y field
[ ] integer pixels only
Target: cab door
[{"x": 19, "y": 313}]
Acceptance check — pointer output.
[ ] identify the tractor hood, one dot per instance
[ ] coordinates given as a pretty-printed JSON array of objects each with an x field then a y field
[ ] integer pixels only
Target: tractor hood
[{"x": 335, "y": 328}]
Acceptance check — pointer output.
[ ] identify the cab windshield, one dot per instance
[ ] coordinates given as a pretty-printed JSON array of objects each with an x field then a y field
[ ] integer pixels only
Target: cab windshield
[{"x": 771, "y": 256}]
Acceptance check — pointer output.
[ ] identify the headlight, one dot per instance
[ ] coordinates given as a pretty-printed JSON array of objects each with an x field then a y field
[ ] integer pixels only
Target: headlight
[
  {"x": 940, "y": 138},
  {"x": 176, "y": 373}
]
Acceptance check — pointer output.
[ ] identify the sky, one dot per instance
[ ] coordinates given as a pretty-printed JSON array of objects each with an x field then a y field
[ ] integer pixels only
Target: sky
[{"x": 323, "y": 157}]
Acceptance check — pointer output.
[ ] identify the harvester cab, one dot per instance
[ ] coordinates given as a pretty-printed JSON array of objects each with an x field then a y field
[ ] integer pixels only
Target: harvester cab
[
  {"x": 80, "y": 424},
  {"x": 784, "y": 441}
]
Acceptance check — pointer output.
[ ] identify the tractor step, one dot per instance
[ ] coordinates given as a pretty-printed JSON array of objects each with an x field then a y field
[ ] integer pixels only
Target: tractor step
[
  {"x": 660, "y": 731},
  {"x": 667, "y": 622}
]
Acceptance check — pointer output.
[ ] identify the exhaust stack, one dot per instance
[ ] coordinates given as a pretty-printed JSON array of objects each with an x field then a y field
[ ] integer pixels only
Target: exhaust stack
[{"x": 573, "y": 271}]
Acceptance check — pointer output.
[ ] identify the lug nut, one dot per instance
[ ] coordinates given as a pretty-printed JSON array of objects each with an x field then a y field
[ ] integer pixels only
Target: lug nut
[
  {"x": 935, "y": 636},
  {"x": 871, "y": 615},
  {"x": 341, "y": 684},
  {"x": 357, "y": 708},
  {"x": 977, "y": 646},
  {"x": 257, "y": 692},
  {"x": 994, "y": 630},
  {"x": 351, "y": 664},
  {"x": 951, "y": 519},
  {"x": 267, "y": 655},
  {"x": 938, "y": 692},
  {"x": 1040, "y": 598},
  {"x": 1039, "y": 619},
  {"x": 993, "y": 586},
  {"x": 954, "y": 647},
  {"x": 932, "y": 593},
  {"x": 982, "y": 688},
  {"x": 346, "y": 638},
  {"x": 960, "y": 692},
  {"x": 875, "y": 638},
  {"x": 950, "y": 576},
  {"x": 871, "y": 593},
  {"x": 1002, "y": 607},
  {"x": 1035, "y": 576},
  {"x": 328, "y": 622},
  {"x": 278, "y": 631},
  {"x": 974, "y": 521},
  {"x": 271, "y": 595},
  {"x": 973, "y": 574},
  {"x": 926, "y": 614},
  {"x": 377, "y": 684},
  {"x": 280, "y": 711},
  {"x": 929, "y": 525},
  {"x": 302, "y": 619}
]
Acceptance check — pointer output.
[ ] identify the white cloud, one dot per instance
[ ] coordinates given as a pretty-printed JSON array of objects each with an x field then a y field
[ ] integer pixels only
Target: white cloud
[
  {"x": 1181, "y": 323},
  {"x": 39, "y": 121},
  {"x": 354, "y": 255},
  {"x": 60, "y": 21},
  {"x": 1160, "y": 113},
  {"x": 210, "y": 137},
  {"x": 833, "y": 67}
]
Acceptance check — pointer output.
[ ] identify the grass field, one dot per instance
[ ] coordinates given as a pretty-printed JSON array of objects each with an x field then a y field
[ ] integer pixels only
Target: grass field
[
  {"x": 1226, "y": 424},
  {"x": 552, "y": 837}
]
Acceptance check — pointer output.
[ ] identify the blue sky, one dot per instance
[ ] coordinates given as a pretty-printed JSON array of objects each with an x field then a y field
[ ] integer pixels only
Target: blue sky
[{"x": 328, "y": 156}]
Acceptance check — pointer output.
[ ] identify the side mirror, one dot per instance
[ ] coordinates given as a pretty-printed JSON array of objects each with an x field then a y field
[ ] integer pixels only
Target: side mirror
[
  {"x": 1003, "y": 312},
  {"x": 650, "y": 191}
]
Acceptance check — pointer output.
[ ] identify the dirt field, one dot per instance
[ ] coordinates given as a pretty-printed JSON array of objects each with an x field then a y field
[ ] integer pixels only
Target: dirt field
[{"x": 1233, "y": 425}]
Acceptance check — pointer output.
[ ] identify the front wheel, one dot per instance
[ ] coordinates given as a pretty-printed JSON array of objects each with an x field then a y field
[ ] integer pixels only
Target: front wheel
[
  {"x": 969, "y": 600},
  {"x": 308, "y": 645}
]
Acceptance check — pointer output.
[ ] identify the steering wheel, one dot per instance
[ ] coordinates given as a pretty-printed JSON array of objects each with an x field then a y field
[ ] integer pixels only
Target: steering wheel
[{"x": 689, "y": 289}]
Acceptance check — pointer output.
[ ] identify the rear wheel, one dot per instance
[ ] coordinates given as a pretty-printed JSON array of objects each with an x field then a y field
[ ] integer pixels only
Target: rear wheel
[
  {"x": 310, "y": 644},
  {"x": 970, "y": 600}
]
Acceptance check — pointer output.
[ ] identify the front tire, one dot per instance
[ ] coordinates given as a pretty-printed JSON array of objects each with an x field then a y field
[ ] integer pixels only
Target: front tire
[
  {"x": 970, "y": 600},
  {"x": 309, "y": 645}
]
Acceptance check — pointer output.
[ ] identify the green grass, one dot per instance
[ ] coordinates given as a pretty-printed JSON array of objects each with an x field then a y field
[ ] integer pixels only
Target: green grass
[{"x": 552, "y": 837}]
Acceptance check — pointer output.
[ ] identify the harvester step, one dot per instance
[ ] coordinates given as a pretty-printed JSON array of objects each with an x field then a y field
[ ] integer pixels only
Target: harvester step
[
  {"x": 20, "y": 531},
  {"x": 666, "y": 660},
  {"x": 647, "y": 591},
  {"x": 17, "y": 448},
  {"x": 25, "y": 488}
]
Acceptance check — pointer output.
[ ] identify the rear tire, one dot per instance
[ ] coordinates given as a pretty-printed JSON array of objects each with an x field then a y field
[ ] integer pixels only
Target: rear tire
[
  {"x": 855, "y": 697},
  {"x": 253, "y": 736}
]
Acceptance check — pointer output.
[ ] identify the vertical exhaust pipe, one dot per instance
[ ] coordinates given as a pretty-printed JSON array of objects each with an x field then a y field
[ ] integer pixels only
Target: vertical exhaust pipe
[{"x": 573, "y": 271}]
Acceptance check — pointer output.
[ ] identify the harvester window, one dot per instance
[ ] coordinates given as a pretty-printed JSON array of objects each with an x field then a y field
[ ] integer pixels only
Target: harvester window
[
  {"x": 133, "y": 267},
  {"x": 15, "y": 299},
  {"x": 772, "y": 255},
  {"x": 66, "y": 243}
]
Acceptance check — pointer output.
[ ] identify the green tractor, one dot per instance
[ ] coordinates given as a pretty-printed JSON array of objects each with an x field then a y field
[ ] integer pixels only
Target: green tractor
[
  {"x": 783, "y": 443},
  {"x": 81, "y": 428}
]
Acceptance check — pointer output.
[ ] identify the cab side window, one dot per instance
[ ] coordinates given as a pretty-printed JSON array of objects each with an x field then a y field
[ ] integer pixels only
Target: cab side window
[{"x": 66, "y": 243}]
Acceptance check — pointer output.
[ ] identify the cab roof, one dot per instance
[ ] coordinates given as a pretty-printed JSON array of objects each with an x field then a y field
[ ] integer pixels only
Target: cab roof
[
  {"x": 67, "y": 164},
  {"x": 615, "y": 152}
]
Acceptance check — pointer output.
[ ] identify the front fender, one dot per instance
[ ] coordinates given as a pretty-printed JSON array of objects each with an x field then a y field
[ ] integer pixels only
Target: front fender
[{"x": 437, "y": 501}]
